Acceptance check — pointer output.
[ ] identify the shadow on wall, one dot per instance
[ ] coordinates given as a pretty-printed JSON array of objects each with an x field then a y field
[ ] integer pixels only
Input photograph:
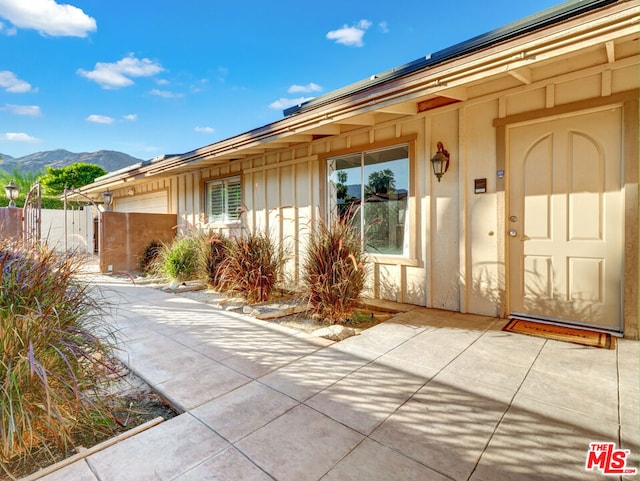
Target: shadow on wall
[
  {"x": 538, "y": 298},
  {"x": 548, "y": 301}
]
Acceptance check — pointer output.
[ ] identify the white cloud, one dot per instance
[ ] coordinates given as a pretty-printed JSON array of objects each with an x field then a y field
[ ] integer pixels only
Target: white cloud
[
  {"x": 311, "y": 87},
  {"x": 48, "y": 17},
  {"x": 12, "y": 84},
  {"x": 130, "y": 117},
  {"x": 350, "y": 36},
  {"x": 30, "y": 110},
  {"x": 205, "y": 130},
  {"x": 165, "y": 94},
  {"x": 284, "y": 103},
  {"x": 384, "y": 27},
  {"x": 223, "y": 73},
  {"x": 99, "y": 119},
  {"x": 18, "y": 137},
  {"x": 162, "y": 81},
  {"x": 117, "y": 75},
  {"x": 8, "y": 31}
]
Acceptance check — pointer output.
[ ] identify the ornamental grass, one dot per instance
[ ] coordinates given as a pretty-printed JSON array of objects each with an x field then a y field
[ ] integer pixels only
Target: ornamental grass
[
  {"x": 333, "y": 272},
  {"x": 253, "y": 266},
  {"x": 53, "y": 351}
]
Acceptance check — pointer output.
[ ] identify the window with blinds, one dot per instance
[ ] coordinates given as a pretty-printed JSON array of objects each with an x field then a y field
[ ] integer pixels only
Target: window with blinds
[{"x": 224, "y": 200}]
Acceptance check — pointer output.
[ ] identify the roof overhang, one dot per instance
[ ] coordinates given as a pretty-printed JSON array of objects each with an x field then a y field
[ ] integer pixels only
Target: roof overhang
[{"x": 438, "y": 80}]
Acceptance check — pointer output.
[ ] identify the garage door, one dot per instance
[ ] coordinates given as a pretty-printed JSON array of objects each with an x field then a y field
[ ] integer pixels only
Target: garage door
[{"x": 154, "y": 203}]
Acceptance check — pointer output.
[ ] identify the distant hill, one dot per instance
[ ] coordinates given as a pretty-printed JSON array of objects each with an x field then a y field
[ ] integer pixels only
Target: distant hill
[{"x": 109, "y": 160}]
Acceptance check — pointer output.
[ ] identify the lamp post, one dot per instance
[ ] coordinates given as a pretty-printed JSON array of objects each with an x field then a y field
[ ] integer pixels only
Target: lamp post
[
  {"x": 440, "y": 161},
  {"x": 107, "y": 197},
  {"x": 11, "y": 191}
]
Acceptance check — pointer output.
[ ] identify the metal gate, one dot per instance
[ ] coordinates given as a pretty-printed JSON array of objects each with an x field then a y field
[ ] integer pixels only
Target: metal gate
[
  {"x": 80, "y": 231},
  {"x": 32, "y": 216}
]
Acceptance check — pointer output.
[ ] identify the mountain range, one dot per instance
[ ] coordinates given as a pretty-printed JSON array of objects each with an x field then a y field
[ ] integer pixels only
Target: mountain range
[{"x": 109, "y": 160}]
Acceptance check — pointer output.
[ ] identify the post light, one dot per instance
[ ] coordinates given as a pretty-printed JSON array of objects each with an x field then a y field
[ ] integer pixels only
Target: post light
[
  {"x": 440, "y": 161},
  {"x": 107, "y": 197},
  {"x": 11, "y": 191}
]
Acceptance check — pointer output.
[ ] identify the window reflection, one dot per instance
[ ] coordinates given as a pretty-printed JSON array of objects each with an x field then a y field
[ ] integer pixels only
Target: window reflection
[{"x": 372, "y": 189}]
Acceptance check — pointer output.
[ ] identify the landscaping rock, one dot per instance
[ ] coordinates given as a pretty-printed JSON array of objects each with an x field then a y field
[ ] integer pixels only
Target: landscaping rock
[
  {"x": 336, "y": 332},
  {"x": 279, "y": 313}
]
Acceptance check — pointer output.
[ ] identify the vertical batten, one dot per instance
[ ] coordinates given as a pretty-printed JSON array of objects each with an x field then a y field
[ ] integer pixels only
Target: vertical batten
[
  {"x": 296, "y": 226},
  {"x": 550, "y": 96},
  {"x": 463, "y": 228},
  {"x": 427, "y": 212}
]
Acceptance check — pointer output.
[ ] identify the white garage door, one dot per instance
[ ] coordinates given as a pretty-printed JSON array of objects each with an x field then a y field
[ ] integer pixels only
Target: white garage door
[{"x": 154, "y": 203}]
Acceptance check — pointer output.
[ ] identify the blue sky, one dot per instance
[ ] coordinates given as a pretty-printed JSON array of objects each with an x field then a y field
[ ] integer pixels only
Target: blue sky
[{"x": 163, "y": 77}]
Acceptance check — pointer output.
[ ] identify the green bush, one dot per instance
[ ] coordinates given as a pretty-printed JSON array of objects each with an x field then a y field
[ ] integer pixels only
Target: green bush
[
  {"x": 52, "y": 359},
  {"x": 252, "y": 267},
  {"x": 181, "y": 260},
  {"x": 333, "y": 269}
]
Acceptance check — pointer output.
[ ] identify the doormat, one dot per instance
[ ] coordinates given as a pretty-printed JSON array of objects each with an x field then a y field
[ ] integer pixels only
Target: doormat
[{"x": 561, "y": 333}]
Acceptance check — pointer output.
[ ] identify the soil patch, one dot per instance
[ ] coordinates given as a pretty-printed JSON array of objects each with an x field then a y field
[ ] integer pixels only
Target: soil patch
[
  {"x": 131, "y": 403},
  {"x": 284, "y": 308}
]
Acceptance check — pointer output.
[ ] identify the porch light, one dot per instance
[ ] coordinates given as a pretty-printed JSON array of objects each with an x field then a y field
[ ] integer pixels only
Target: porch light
[
  {"x": 11, "y": 191},
  {"x": 107, "y": 197},
  {"x": 440, "y": 161}
]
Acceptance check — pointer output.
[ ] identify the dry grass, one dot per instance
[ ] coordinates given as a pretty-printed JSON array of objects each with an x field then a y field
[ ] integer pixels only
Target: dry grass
[
  {"x": 51, "y": 358},
  {"x": 334, "y": 270}
]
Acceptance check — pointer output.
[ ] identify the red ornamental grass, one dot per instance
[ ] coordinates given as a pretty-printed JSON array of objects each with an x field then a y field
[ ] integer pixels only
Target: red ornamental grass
[
  {"x": 52, "y": 345},
  {"x": 252, "y": 266},
  {"x": 334, "y": 272}
]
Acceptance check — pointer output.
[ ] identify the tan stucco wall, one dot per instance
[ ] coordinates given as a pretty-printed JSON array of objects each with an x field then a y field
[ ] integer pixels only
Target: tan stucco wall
[
  {"x": 124, "y": 236},
  {"x": 11, "y": 223}
]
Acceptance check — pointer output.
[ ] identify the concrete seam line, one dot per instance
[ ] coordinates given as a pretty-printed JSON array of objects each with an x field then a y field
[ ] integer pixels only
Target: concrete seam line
[{"x": 94, "y": 449}]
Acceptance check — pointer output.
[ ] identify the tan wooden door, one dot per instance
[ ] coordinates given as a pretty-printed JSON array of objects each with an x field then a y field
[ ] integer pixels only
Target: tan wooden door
[{"x": 565, "y": 220}]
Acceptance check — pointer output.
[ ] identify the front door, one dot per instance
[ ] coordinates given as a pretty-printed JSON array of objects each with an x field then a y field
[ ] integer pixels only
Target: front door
[{"x": 565, "y": 220}]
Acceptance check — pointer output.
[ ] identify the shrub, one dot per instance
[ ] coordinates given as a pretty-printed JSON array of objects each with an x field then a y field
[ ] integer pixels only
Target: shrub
[
  {"x": 181, "y": 260},
  {"x": 253, "y": 266},
  {"x": 149, "y": 256},
  {"x": 52, "y": 359},
  {"x": 333, "y": 270},
  {"x": 215, "y": 251}
]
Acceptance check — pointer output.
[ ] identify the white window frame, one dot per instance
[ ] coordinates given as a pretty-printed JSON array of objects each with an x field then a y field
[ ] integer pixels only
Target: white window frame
[
  {"x": 408, "y": 255},
  {"x": 225, "y": 216}
]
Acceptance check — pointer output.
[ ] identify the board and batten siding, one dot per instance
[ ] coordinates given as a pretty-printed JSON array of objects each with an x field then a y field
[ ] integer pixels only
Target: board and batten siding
[{"x": 457, "y": 259}]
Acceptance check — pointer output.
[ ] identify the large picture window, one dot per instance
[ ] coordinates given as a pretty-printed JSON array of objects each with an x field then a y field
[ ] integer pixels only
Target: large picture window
[
  {"x": 372, "y": 188},
  {"x": 224, "y": 200}
]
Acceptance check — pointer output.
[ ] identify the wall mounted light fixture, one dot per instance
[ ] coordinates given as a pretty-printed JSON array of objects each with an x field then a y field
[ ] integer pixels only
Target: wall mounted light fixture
[
  {"x": 440, "y": 161},
  {"x": 11, "y": 191},
  {"x": 107, "y": 197}
]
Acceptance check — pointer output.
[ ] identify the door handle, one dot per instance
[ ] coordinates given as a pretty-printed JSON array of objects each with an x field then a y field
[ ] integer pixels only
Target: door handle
[{"x": 513, "y": 233}]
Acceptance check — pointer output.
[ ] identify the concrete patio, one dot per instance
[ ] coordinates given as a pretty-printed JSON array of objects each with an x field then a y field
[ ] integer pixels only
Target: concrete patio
[{"x": 428, "y": 395}]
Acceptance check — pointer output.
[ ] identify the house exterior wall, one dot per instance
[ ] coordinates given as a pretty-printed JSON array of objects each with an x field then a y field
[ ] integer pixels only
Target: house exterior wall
[
  {"x": 459, "y": 261},
  {"x": 457, "y": 258}
]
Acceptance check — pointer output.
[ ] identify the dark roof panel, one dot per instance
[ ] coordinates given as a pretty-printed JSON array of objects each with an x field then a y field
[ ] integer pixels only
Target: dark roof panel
[{"x": 526, "y": 25}]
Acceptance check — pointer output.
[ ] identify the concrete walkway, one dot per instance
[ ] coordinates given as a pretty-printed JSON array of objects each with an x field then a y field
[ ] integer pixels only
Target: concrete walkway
[{"x": 428, "y": 395}]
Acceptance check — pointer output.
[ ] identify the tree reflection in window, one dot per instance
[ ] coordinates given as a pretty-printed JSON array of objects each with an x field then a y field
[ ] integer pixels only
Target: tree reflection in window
[{"x": 372, "y": 189}]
